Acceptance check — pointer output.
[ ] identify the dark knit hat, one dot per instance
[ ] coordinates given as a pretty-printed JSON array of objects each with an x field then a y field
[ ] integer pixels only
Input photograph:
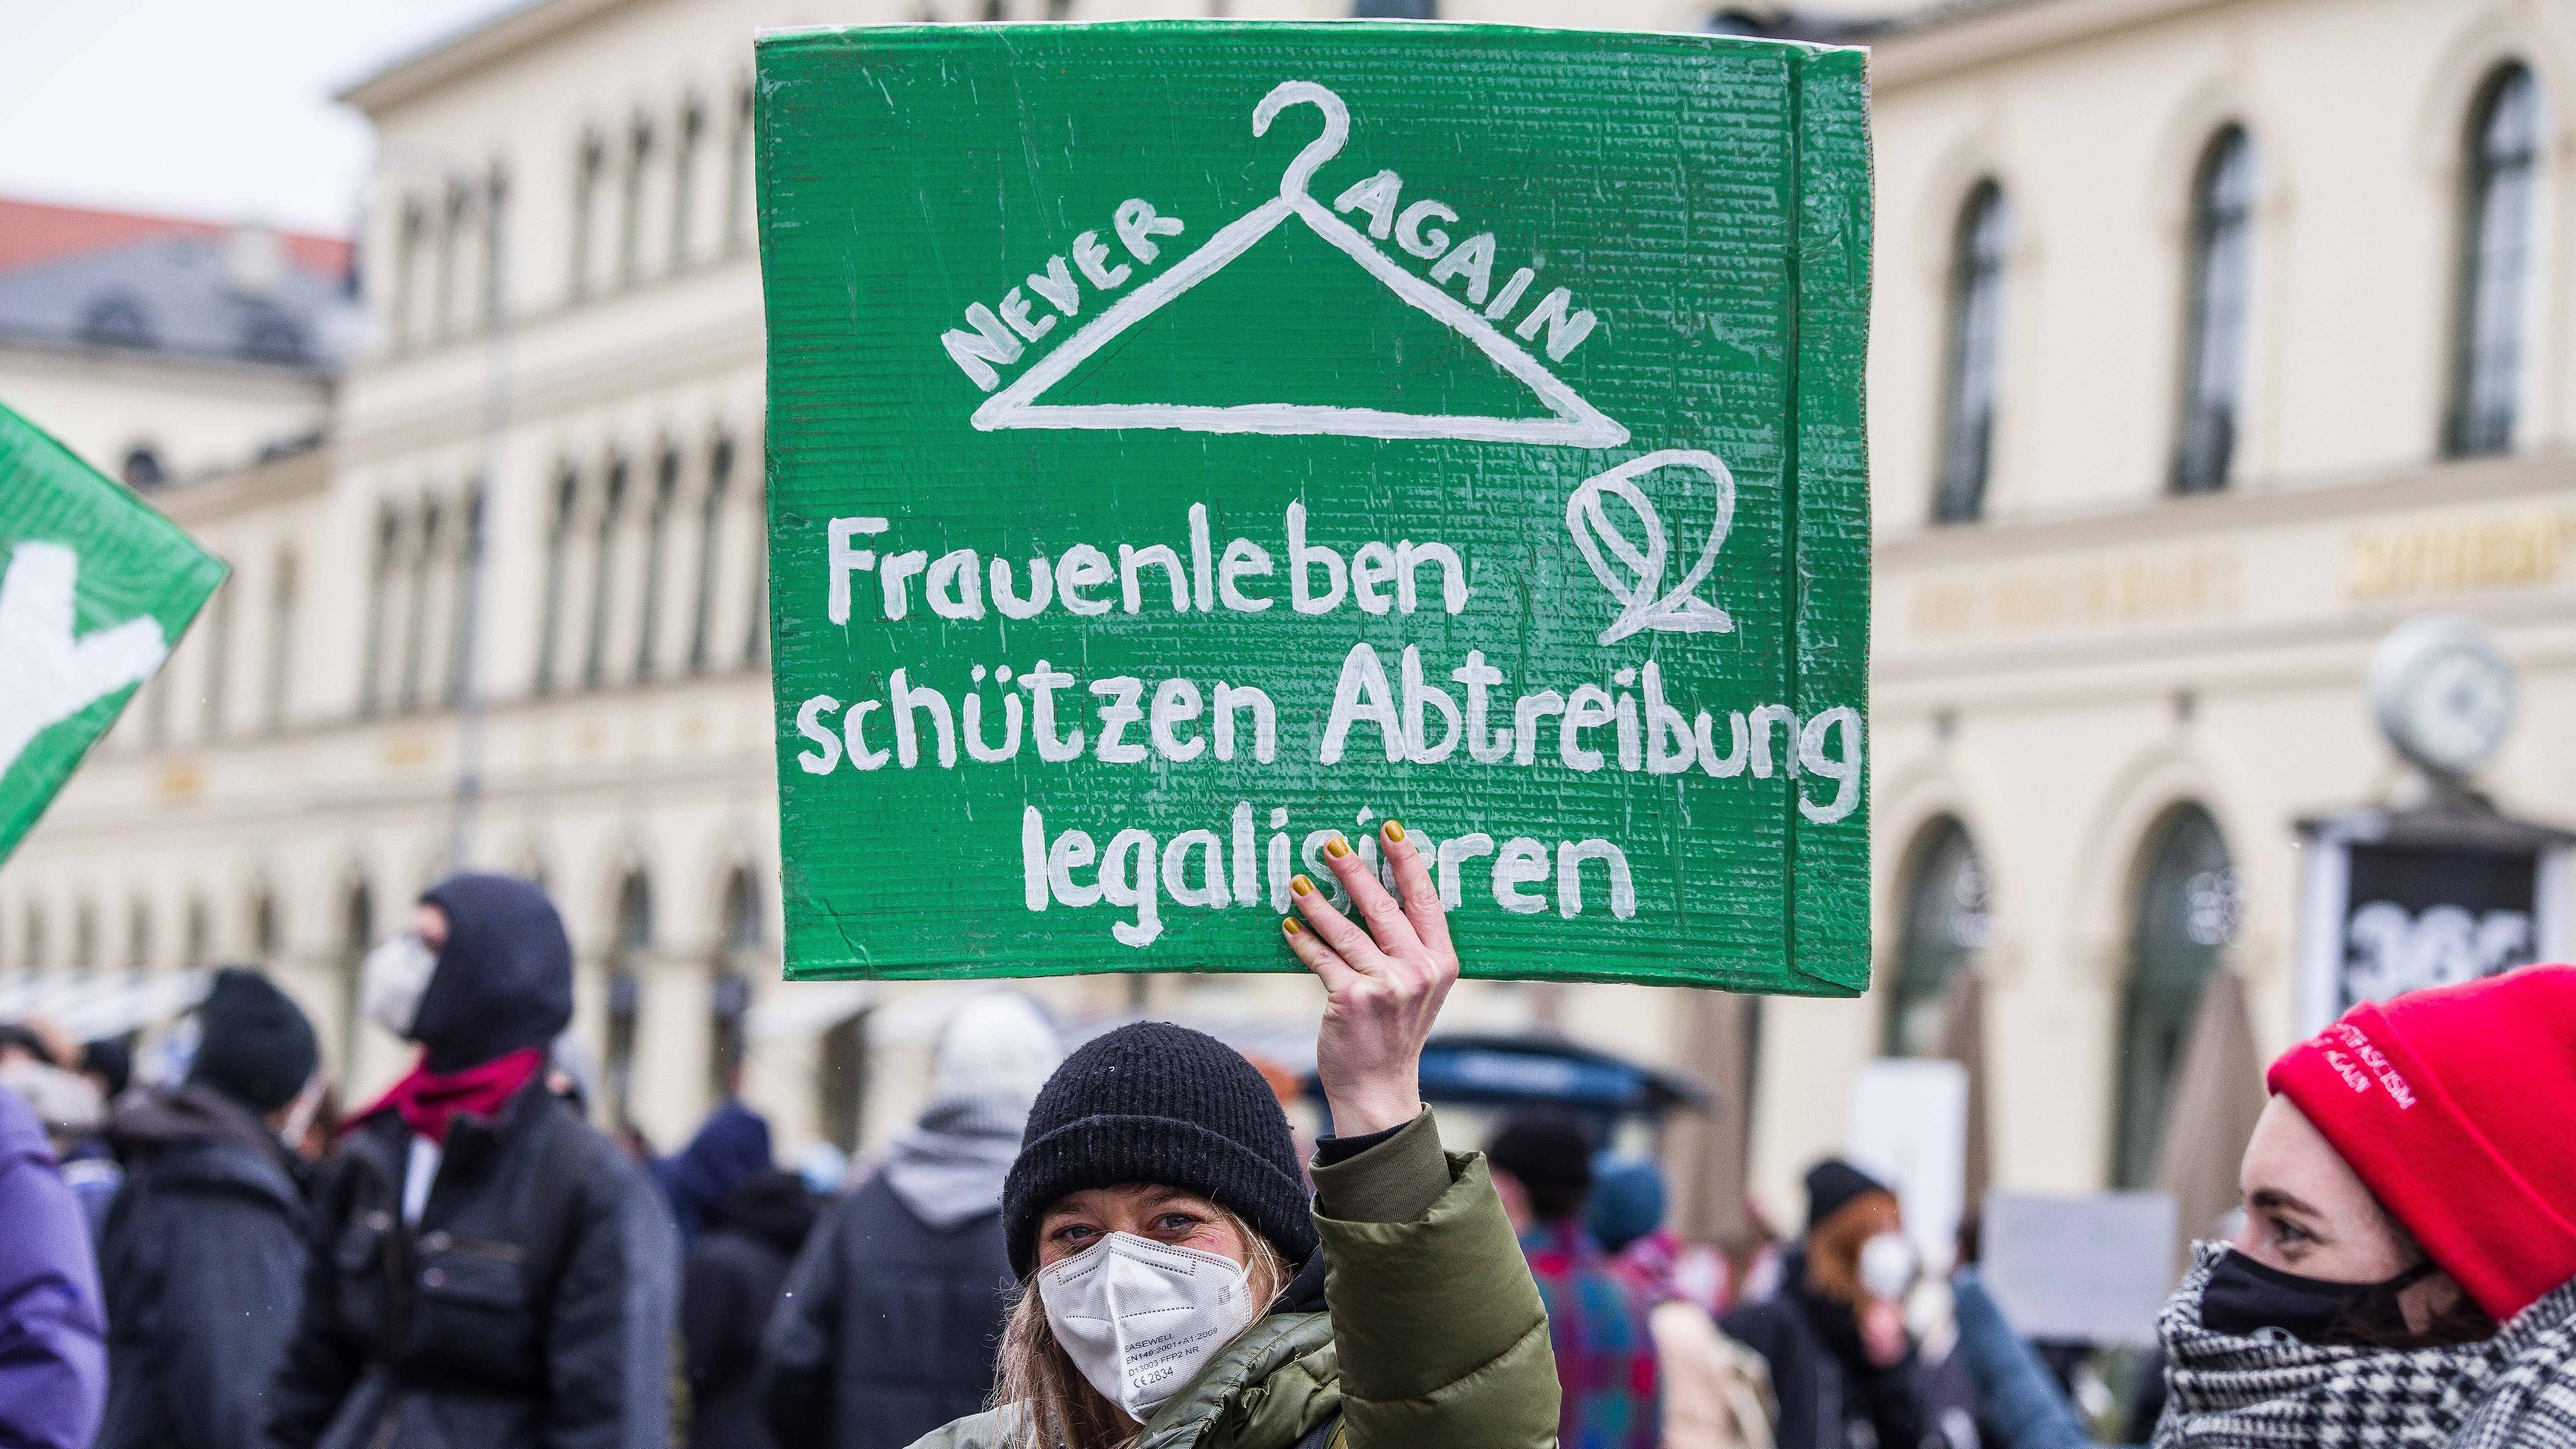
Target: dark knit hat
[
  {"x": 1833, "y": 1183},
  {"x": 253, "y": 1043},
  {"x": 1158, "y": 1103},
  {"x": 1548, "y": 1151}
]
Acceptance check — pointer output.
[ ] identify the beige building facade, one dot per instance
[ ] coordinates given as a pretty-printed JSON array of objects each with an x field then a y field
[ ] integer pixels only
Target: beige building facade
[{"x": 2212, "y": 338}]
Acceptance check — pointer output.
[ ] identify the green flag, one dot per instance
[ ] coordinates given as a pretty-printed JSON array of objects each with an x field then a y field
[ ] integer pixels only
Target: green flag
[
  {"x": 95, "y": 588},
  {"x": 1191, "y": 439}
]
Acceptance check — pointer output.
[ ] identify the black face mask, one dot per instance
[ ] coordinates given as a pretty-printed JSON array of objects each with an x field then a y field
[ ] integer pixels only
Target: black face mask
[{"x": 2243, "y": 1297}]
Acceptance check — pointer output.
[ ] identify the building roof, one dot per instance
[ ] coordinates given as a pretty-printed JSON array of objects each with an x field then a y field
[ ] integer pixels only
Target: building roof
[
  {"x": 34, "y": 231},
  {"x": 241, "y": 296}
]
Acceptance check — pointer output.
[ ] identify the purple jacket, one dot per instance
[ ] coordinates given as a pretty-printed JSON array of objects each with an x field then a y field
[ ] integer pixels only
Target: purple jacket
[{"x": 53, "y": 1351}]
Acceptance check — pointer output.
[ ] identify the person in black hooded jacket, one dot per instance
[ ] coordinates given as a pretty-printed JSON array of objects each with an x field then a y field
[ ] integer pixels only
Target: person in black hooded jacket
[
  {"x": 488, "y": 1271},
  {"x": 203, "y": 1252},
  {"x": 736, "y": 1269}
]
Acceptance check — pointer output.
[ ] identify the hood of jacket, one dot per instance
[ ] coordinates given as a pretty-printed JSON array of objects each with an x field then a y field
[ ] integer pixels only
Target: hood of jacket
[
  {"x": 731, "y": 1146},
  {"x": 504, "y": 977},
  {"x": 949, "y": 1169},
  {"x": 773, "y": 1206},
  {"x": 197, "y": 1131}
]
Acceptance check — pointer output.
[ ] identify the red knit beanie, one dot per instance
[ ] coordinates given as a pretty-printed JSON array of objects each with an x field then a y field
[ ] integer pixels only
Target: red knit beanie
[{"x": 2457, "y": 1106}]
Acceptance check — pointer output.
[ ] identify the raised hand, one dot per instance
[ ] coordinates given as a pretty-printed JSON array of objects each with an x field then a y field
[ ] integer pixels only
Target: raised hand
[{"x": 1384, "y": 984}]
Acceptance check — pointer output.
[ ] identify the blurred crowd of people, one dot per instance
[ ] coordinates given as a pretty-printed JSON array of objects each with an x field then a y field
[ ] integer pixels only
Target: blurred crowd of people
[{"x": 209, "y": 1253}]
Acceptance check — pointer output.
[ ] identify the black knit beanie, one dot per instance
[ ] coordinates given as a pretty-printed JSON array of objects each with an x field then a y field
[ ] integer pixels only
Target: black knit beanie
[
  {"x": 253, "y": 1043},
  {"x": 1161, "y": 1104},
  {"x": 1833, "y": 1183}
]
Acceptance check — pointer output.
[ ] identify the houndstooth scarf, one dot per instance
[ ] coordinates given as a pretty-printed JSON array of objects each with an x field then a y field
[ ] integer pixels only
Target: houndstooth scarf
[{"x": 2516, "y": 1390}]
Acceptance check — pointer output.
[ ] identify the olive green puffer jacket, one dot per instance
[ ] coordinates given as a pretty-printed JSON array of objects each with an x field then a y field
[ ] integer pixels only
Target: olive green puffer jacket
[{"x": 1433, "y": 1335}]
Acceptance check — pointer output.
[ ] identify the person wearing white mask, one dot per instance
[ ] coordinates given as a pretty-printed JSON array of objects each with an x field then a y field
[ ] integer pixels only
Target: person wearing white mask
[
  {"x": 1180, "y": 1287},
  {"x": 1843, "y": 1367},
  {"x": 890, "y": 1317},
  {"x": 489, "y": 1270}
]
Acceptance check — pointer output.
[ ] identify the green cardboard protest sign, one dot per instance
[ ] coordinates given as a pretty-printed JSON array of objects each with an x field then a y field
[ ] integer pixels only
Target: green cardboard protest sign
[
  {"x": 95, "y": 587},
  {"x": 1190, "y": 439}
]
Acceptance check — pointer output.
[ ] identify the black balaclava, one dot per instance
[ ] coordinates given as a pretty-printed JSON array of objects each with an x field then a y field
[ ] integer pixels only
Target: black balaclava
[{"x": 504, "y": 978}]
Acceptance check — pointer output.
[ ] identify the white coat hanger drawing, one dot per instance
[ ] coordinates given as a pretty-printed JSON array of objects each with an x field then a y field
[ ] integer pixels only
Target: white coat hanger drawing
[{"x": 1572, "y": 422}]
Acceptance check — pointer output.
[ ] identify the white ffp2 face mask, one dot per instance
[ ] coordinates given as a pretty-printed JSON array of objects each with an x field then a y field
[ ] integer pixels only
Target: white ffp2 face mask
[
  {"x": 1141, "y": 1318},
  {"x": 1887, "y": 1266},
  {"x": 393, "y": 980}
]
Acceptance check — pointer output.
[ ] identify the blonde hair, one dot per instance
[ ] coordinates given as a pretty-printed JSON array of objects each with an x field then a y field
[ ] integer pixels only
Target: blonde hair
[{"x": 1048, "y": 1404}]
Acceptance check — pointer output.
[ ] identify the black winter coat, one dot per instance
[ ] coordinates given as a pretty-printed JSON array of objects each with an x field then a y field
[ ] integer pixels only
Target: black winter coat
[
  {"x": 889, "y": 1326},
  {"x": 736, "y": 1270},
  {"x": 1830, "y": 1396},
  {"x": 203, "y": 1259},
  {"x": 534, "y": 1304}
]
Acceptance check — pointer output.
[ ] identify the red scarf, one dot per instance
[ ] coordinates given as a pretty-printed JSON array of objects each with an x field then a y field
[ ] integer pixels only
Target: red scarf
[{"x": 429, "y": 1101}]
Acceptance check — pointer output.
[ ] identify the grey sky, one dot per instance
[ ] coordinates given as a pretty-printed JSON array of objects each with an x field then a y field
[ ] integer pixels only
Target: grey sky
[{"x": 213, "y": 108}]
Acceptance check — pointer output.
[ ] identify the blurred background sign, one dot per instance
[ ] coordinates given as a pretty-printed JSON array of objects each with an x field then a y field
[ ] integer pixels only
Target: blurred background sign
[{"x": 1909, "y": 1128}]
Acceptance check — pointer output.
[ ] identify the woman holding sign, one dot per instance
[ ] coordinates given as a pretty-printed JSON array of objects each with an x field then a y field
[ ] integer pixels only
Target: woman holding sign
[{"x": 1179, "y": 1287}]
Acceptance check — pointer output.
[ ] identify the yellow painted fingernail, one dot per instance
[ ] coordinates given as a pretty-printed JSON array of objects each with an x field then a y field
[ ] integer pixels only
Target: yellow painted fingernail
[
  {"x": 1394, "y": 831},
  {"x": 1299, "y": 885},
  {"x": 1337, "y": 847},
  {"x": 1289, "y": 927}
]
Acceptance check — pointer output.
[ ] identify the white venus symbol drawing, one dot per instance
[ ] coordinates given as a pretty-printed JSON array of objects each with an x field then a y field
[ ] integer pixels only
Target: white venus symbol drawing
[{"x": 1632, "y": 570}]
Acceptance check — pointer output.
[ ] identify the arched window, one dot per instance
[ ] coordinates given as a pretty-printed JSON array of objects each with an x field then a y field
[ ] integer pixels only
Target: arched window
[
  {"x": 452, "y": 239},
  {"x": 496, "y": 234},
  {"x": 143, "y": 467},
  {"x": 558, "y": 551},
  {"x": 138, "y": 935},
  {"x": 2495, "y": 261},
  {"x": 357, "y": 936},
  {"x": 465, "y": 569},
  {"x": 591, "y": 164},
  {"x": 425, "y": 549},
  {"x": 738, "y": 955},
  {"x": 657, "y": 531},
  {"x": 755, "y": 648},
  {"x": 841, "y": 1082},
  {"x": 199, "y": 944},
  {"x": 380, "y": 581},
  {"x": 410, "y": 232},
  {"x": 711, "y": 517},
  {"x": 281, "y": 638},
  {"x": 84, "y": 938},
  {"x": 215, "y": 699},
  {"x": 2186, "y": 914},
  {"x": 737, "y": 219},
  {"x": 634, "y": 942},
  {"x": 1946, "y": 924},
  {"x": 2222, "y": 278},
  {"x": 684, "y": 177},
  {"x": 603, "y": 572},
  {"x": 263, "y": 926},
  {"x": 1975, "y": 362},
  {"x": 630, "y": 224}
]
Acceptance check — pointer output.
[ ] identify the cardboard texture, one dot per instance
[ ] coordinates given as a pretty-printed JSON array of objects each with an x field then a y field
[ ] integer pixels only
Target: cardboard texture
[
  {"x": 1188, "y": 439},
  {"x": 95, "y": 588}
]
